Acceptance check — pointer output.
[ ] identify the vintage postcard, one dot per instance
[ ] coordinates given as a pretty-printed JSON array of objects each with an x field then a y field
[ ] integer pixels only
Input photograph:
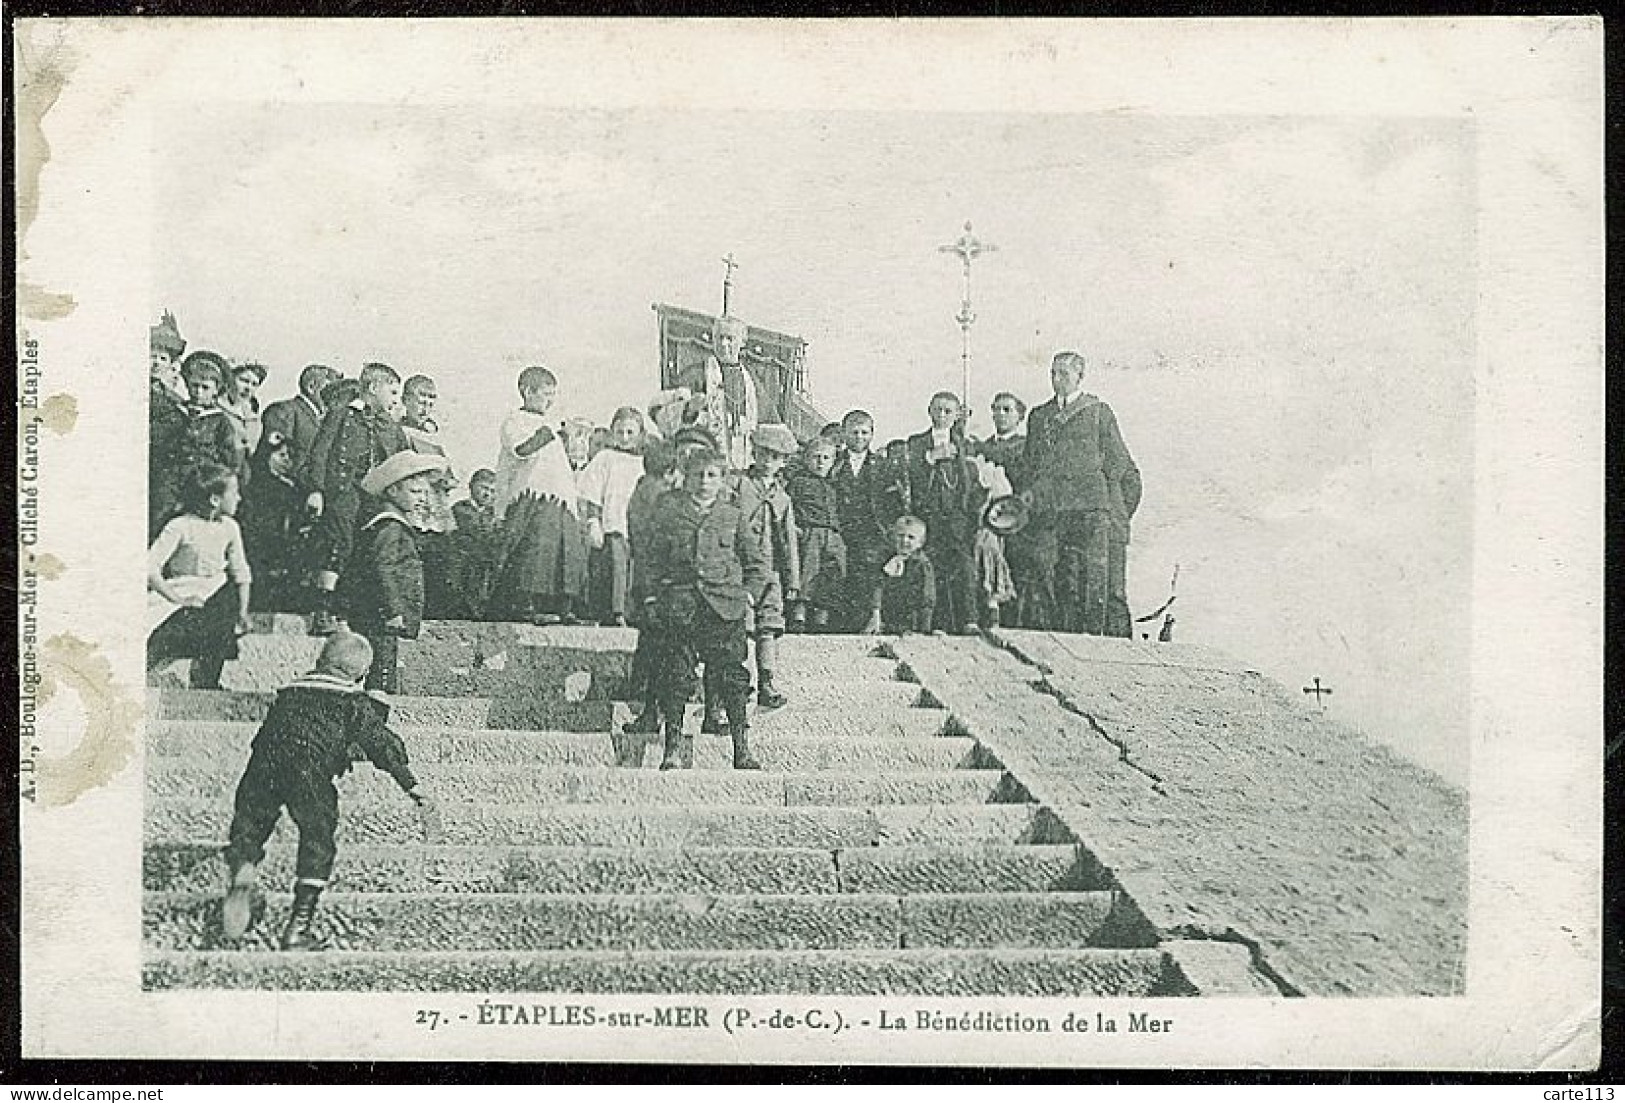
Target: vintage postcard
[{"x": 1016, "y": 543}]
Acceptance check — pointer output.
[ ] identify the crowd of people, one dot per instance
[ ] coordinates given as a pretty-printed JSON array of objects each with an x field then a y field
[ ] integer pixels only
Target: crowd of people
[
  {"x": 296, "y": 508},
  {"x": 714, "y": 538}
]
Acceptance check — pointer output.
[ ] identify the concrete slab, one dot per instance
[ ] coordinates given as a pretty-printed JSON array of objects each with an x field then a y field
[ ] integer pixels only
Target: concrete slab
[
  {"x": 170, "y": 778},
  {"x": 202, "y": 821},
  {"x": 1227, "y": 809},
  {"x": 947, "y": 868},
  {"x": 483, "y": 868},
  {"x": 1122, "y": 973},
  {"x": 536, "y": 922},
  {"x": 229, "y": 743}
]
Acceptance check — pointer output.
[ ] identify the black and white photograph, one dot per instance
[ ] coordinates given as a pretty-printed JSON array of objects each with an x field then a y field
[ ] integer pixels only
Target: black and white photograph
[{"x": 752, "y": 541}]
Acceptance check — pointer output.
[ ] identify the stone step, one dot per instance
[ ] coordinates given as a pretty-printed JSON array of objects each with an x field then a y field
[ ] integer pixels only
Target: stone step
[
  {"x": 237, "y": 706},
  {"x": 894, "y": 870},
  {"x": 179, "y": 779},
  {"x": 783, "y": 753},
  {"x": 1089, "y": 972},
  {"x": 541, "y": 922},
  {"x": 656, "y": 826}
]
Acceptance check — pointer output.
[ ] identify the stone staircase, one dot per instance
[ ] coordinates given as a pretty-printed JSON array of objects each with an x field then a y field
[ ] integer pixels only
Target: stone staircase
[{"x": 882, "y": 850}]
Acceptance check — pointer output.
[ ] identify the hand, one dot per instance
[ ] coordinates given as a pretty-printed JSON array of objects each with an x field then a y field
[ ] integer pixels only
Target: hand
[
  {"x": 314, "y": 503},
  {"x": 872, "y": 628},
  {"x": 595, "y": 533},
  {"x": 395, "y": 623},
  {"x": 428, "y": 816},
  {"x": 792, "y": 594},
  {"x": 242, "y": 626}
]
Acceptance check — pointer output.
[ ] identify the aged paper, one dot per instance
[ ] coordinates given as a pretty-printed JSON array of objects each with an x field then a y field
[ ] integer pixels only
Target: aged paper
[{"x": 1352, "y": 198}]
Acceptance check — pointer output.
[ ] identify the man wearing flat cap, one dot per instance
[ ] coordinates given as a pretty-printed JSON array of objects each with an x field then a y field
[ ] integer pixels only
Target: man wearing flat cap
[{"x": 1084, "y": 488}]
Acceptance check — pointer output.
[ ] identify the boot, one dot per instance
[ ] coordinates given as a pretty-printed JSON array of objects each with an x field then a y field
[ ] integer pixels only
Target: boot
[
  {"x": 742, "y": 756},
  {"x": 767, "y": 697},
  {"x": 298, "y": 935},
  {"x": 237, "y": 913},
  {"x": 715, "y": 722},
  {"x": 673, "y": 757},
  {"x": 323, "y": 623}
]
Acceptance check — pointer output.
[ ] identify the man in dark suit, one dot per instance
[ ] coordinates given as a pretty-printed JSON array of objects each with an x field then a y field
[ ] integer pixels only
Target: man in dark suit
[
  {"x": 299, "y": 418},
  {"x": 945, "y": 494},
  {"x": 1084, "y": 488}
]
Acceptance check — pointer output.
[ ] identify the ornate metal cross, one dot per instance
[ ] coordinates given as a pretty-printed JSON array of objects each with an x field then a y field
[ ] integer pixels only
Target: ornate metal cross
[
  {"x": 1319, "y": 691},
  {"x": 729, "y": 264},
  {"x": 967, "y": 249}
]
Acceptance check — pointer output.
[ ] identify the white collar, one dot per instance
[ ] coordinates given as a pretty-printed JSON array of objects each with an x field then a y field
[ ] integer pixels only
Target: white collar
[
  {"x": 317, "y": 680},
  {"x": 941, "y": 436},
  {"x": 387, "y": 515}
]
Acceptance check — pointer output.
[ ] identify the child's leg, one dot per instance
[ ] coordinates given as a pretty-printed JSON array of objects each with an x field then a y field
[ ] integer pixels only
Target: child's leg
[
  {"x": 313, "y": 805},
  {"x": 257, "y": 807},
  {"x": 769, "y": 627},
  {"x": 385, "y": 673},
  {"x": 722, "y": 648},
  {"x": 618, "y": 563}
]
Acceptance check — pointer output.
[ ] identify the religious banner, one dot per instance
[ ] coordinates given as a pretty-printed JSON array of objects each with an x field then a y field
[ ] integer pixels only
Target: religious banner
[{"x": 776, "y": 362}]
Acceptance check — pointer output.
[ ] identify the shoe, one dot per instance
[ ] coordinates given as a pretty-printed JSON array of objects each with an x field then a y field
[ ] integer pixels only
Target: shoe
[
  {"x": 769, "y": 698},
  {"x": 616, "y": 621},
  {"x": 743, "y": 759},
  {"x": 647, "y": 723},
  {"x": 237, "y": 913},
  {"x": 544, "y": 620},
  {"x": 299, "y": 934},
  {"x": 323, "y": 623},
  {"x": 715, "y": 723}
]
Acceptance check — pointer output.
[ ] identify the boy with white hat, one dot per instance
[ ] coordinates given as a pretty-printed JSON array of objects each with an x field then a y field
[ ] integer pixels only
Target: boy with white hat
[{"x": 381, "y": 590}]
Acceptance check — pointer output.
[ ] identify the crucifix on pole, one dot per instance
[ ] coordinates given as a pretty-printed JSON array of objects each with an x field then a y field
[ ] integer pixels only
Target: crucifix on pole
[
  {"x": 1319, "y": 692},
  {"x": 967, "y": 249},
  {"x": 729, "y": 264}
]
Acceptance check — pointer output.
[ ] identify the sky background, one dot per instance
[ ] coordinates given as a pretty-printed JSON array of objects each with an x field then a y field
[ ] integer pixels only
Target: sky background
[{"x": 1280, "y": 311}]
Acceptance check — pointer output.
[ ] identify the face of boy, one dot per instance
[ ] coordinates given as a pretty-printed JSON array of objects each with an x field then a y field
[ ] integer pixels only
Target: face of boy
[
  {"x": 384, "y": 395},
  {"x": 538, "y": 400},
  {"x": 419, "y": 403},
  {"x": 229, "y": 498},
  {"x": 704, "y": 483},
  {"x": 821, "y": 460},
  {"x": 858, "y": 436},
  {"x": 944, "y": 412},
  {"x": 410, "y": 496},
  {"x": 624, "y": 433},
  {"x": 907, "y": 539},
  {"x": 280, "y": 463},
  {"x": 767, "y": 461},
  {"x": 1006, "y": 415},
  {"x": 483, "y": 493},
  {"x": 203, "y": 389}
]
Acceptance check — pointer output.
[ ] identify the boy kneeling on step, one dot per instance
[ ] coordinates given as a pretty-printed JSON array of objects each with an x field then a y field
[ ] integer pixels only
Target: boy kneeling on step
[
  {"x": 707, "y": 569},
  {"x": 315, "y": 726}
]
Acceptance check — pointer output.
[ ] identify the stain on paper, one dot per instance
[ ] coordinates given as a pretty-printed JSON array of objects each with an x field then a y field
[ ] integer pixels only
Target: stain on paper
[
  {"x": 59, "y": 413},
  {"x": 47, "y": 566},
  {"x": 107, "y": 744},
  {"x": 43, "y": 68}
]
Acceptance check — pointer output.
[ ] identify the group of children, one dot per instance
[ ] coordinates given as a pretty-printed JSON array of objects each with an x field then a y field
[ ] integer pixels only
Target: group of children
[{"x": 346, "y": 513}]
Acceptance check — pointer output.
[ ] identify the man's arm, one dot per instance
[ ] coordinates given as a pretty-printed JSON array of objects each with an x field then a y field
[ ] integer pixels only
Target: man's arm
[{"x": 1120, "y": 466}]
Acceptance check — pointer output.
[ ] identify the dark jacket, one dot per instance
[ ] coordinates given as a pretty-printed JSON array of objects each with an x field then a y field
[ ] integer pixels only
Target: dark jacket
[
  {"x": 353, "y": 440},
  {"x": 298, "y": 422},
  {"x": 274, "y": 525},
  {"x": 206, "y": 436},
  {"x": 712, "y": 552},
  {"x": 946, "y": 494},
  {"x": 858, "y": 500},
  {"x": 814, "y": 499},
  {"x": 1078, "y": 463},
  {"x": 384, "y": 578},
  {"x": 771, "y": 515},
  {"x": 908, "y": 603},
  {"x": 315, "y": 722}
]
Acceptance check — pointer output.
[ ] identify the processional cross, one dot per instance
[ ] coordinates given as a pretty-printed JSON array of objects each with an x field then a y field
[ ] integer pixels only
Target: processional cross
[
  {"x": 1319, "y": 691},
  {"x": 967, "y": 249},
  {"x": 729, "y": 265}
]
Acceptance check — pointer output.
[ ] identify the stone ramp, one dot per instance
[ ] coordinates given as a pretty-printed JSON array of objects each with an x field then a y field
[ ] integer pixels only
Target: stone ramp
[
  {"x": 881, "y": 851},
  {"x": 1228, "y": 811}
]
